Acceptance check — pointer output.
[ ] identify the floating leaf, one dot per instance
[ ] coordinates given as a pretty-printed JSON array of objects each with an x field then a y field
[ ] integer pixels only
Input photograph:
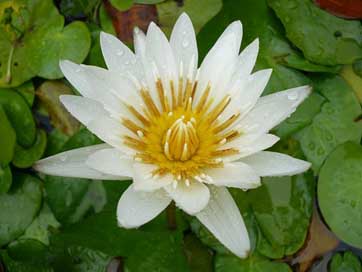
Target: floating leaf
[
  {"x": 19, "y": 115},
  {"x": 282, "y": 207},
  {"x": 34, "y": 40},
  {"x": 7, "y": 139},
  {"x": 335, "y": 123},
  {"x": 25, "y": 157},
  {"x": 169, "y": 11},
  {"x": 19, "y": 207},
  {"x": 345, "y": 262},
  {"x": 227, "y": 263},
  {"x": 6, "y": 179},
  {"x": 322, "y": 37},
  {"x": 339, "y": 192}
]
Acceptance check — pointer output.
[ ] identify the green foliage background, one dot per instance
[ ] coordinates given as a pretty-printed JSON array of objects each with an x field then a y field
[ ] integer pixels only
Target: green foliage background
[{"x": 67, "y": 224}]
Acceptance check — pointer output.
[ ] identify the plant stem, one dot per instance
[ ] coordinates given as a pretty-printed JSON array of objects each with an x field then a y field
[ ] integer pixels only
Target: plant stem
[
  {"x": 171, "y": 216},
  {"x": 8, "y": 66}
]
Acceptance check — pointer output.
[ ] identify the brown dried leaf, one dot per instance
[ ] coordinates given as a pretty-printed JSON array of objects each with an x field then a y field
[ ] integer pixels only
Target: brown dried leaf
[
  {"x": 48, "y": 94},
  {"x": 320, "y": 240},
  {"x": 125, "y": 21}
]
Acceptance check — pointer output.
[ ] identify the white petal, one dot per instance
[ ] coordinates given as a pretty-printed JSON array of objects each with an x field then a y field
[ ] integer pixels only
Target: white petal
[
  {"x": 118, "y": 57},
  {"x": 192, "y": 198},
  {"x": 221, "y": 58},
  {"x": 245, "y": 93},
  {"x": 247, "y": 59},
  {"x": 184, "y": 46},
  {"x": 143, "y": 179},
  {"x": 250, "y": 144},
  {"x": 236, "y": 174},
  {"x": 111, "y": 161},
  {"x": 110, "y": 131},
  {"x": 72, "y": 164},
  {"x": 82, "y": 108},
  {"x": 222, "y": 217},
  {"x": 136, "y": 208},
  {"x": 267, "y": 163},
  {"x": 160, "y": 57},
  {"x": 139, "y": 40},
  {"x": 272, "y": 109}
]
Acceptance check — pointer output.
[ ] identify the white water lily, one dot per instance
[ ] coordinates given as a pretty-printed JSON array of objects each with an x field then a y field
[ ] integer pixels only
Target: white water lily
[{"x": 181, "y": 133}]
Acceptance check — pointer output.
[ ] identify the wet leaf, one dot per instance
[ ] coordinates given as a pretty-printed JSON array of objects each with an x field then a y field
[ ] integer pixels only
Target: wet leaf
[
  {"x": 19, "y": 114},
  {"x": 159, "y": 251},
  {"x": 35, "y": 39},
  {"x": 7, "y": 139},
  {"x": 339, "y": 188},
  {"x": 19, "y": 207},
  {"x": 353, "y": 79},
  {"x": 282, "y": 207},
  {"x": 322, "y": 37},
  {"x": 42, "y": 226},
  {"x": 335, "y": 123},
  {"x": 61, "y": 119},
  {"x": 122, "y": 5},
  {"x": 6, "y": 179},
  {"x": 25, "y": 157},
  {"x": 345, "y": 262},
  {"x": 199, "y": 257},
  {"x": 169, "y": 11},
  {"x": 302, "y": 117},
  {"x": 227, "y": 263}
]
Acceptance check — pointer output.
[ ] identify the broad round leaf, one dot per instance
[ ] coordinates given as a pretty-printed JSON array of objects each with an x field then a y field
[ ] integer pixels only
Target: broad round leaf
[{"x": 340, "y": 193}]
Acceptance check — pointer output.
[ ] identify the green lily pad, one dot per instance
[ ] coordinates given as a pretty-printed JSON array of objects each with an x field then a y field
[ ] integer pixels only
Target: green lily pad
[
  {"x": 199, "y": 257},
  {"x": 19, "y": 114},
  {"x": 302, "y": 117},
  {"x": 6, "y": 179},
  {"x": 42, "y": 226},
  {"x": 19, "y": 207},
  {"x": 34, "y": 40},
  {"x": 28, "y": 251},
  {"x": 346, "y": 262},
  {"x": 282, "y": 207},
  {"x": 169, "y": 11},
  {"x": 121, "y": 5},
  {"x": 227, "y": 263},
  {"x": 339, "y": 192},
  {"x": 25, "y": 157},
  {"x": 159, "y": 251},
  {"x": 7, "y": 139},
  {"x": 335, "y": 123},
  {"x": 323, "y": 37}
]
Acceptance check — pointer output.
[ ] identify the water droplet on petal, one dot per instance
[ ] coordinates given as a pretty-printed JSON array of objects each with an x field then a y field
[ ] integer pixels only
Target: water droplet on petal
[
  {"x": 185, "y": 43},
  {"x": 63, "y": 158},
  {"x": 126, "y": 62},
  {"x": 293, "y": 96},
  {"x": 120, "y": 53}
]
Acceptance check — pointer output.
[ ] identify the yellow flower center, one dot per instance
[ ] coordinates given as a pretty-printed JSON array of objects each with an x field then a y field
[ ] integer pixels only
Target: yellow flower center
[{"x": 182, "y": 138}]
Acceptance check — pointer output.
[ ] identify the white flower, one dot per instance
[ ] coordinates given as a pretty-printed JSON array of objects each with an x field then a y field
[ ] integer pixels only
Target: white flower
[{"x": 181, "y": 133}]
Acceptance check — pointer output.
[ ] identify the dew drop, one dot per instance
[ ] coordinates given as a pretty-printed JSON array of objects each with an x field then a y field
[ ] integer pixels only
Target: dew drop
[
  {"x": 293, "y": 96},
  {"x": 311, "y": 146},
  {"x": 185, "y": 43},
  {"x": 120, "y": 53},
  {"x": 63, "y": 158},
  {"x": 78, "y": 70},
  {"x": 320, "y": 151},
  {"x": 126, "y": 62},
  {"x": 184, "y": 32}
]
